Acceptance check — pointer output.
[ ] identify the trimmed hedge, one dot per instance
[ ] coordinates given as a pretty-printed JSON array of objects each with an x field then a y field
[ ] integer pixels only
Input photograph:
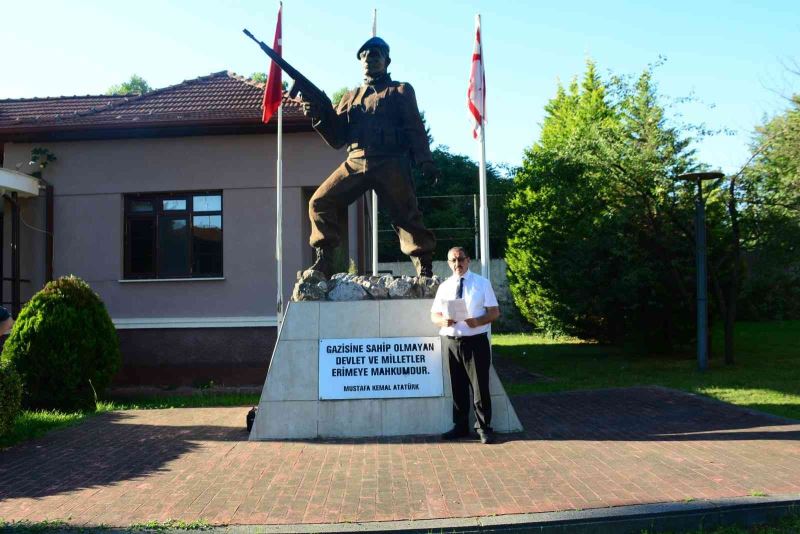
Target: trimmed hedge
[
  {"x": 64, "y": 347},
  {"x": 10, "y": 397}
]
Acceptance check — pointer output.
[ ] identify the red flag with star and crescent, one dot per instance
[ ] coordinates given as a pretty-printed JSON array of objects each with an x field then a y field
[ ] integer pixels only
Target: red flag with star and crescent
[
  {"x": 476, "y": 93},
  {"x": 273, "y": 92}
]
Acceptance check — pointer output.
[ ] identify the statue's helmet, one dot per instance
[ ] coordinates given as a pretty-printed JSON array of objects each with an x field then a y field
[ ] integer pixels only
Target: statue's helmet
[{"x": 374, "y": 42}]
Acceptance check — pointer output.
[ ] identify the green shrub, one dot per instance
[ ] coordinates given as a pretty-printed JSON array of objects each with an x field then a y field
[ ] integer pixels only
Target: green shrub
[
  {"x": 10, "y": 397},
  {"x": 64, "y": 347}
]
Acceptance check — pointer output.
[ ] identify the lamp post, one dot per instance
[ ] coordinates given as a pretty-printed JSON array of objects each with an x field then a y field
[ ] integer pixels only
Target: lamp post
[{"x": 700, "y": 259}]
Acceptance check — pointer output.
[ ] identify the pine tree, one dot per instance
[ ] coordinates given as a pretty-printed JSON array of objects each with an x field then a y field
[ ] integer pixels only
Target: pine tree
[{"x": 591, "y": 238}]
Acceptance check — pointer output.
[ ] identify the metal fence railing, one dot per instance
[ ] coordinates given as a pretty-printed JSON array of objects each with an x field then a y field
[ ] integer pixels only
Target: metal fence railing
[{"x": 454, "y": 221}]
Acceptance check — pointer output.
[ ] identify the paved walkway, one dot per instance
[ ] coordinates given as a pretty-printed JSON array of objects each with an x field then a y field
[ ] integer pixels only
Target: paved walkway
[{"x": 580, "y": 451}]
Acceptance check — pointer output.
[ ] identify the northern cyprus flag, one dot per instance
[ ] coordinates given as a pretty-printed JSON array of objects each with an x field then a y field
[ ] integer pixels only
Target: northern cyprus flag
[{"x": 476, "y": 93}]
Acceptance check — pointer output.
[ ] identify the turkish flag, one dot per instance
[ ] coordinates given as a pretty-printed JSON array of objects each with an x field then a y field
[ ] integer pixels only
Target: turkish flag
[
  {"x": 273, "y": 92},
  {"x": 476, "y": 93}
]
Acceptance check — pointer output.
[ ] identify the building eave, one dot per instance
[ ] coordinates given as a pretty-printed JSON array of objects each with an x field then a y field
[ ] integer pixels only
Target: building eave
[
  {"x": 12, "y": 181},
  {"x": 148, "y": 129}
]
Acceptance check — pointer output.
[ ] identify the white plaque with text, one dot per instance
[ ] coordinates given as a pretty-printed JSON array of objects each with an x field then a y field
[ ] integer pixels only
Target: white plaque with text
[{"x": 380, "y": 368}]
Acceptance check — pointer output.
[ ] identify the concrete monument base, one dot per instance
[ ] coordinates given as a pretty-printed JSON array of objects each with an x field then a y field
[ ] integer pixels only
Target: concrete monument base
[{"x": 290, "y": 407}]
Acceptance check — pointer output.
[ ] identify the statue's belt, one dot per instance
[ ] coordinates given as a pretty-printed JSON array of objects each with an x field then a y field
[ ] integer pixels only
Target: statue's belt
[{"x": 376, "y": 150}]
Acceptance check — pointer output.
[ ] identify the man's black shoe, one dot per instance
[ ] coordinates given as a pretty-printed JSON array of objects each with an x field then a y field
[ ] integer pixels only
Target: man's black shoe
[
  {"x": 455, "y": 433},
  {"x": 486, "y": 435}
]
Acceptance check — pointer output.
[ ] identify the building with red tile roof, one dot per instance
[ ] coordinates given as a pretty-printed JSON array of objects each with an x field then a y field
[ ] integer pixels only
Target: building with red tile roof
[
  {"x": 221, "y": 102},
  {"x": 165, "y": 204}
]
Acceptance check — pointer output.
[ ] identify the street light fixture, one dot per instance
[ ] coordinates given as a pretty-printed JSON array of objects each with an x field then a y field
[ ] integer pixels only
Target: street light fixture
[{"x": 700, "y": 258}]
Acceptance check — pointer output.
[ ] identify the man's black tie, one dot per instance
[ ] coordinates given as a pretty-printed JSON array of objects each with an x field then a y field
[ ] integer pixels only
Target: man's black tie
[{"x": 460, "y": 292}]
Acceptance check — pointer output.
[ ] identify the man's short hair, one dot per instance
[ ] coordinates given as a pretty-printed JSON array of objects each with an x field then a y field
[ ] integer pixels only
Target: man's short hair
[{"x": 462, "y": 250}]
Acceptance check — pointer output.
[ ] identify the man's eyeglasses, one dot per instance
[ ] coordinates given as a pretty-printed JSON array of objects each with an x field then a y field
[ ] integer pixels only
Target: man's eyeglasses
[{"x": 458, "y": 259}]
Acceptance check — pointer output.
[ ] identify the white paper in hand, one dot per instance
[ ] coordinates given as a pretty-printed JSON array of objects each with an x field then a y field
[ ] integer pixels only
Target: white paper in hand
[{"x": 455, "y": 309}]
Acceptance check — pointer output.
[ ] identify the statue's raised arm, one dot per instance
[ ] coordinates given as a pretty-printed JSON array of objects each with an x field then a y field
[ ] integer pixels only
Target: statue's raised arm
[{"x": 301, "y": 88}]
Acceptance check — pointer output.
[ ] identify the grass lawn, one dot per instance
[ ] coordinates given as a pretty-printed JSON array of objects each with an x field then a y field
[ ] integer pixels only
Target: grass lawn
[
  {"x": 766, "y": 375},
  {"x": 29, "y": 424},
  {"x": 786, "y": 525}
]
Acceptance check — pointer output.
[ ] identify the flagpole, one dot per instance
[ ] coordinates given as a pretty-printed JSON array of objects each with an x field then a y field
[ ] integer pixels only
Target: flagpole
[
  {"x": 279, "y": 210},
  {"x": 484, "y": 212},
  {"x": 279, "y": 199},
  {"x": 476, "y": 97},
  {"x": 374, "y": 194}
]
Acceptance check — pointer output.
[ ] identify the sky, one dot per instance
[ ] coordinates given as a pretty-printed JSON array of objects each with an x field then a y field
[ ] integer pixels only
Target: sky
[{"x": 733, "y": 57}]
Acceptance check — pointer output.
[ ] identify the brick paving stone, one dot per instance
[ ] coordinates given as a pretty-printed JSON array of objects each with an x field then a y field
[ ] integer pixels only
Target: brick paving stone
[{"x": 580, "y": 450}]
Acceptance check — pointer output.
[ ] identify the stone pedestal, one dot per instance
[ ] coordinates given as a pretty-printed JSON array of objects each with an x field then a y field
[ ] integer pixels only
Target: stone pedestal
[{"x": 290, "y": 407}]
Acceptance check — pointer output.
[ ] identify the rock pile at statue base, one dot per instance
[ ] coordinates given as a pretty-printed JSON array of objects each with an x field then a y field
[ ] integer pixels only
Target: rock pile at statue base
[{"x": 312, "y": 285}]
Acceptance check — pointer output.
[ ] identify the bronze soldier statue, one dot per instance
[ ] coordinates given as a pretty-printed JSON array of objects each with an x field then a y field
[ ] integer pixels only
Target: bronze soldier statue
[{"x": 381, "y": 127}]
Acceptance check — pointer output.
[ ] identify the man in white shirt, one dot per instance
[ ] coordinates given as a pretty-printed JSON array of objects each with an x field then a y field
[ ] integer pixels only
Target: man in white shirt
[{"x": 466, "y": 344}]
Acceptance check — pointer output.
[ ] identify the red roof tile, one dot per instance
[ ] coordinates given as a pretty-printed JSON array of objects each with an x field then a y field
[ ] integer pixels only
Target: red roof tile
[
  {"x": 19, "y": 111},
  {"x": 219, "y": 98}
]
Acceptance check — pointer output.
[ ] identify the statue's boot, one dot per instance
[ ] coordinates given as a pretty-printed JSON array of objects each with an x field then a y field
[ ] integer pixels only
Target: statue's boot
[
  {"x": 324, "y": 261},
  {"x": 423, "y": 264}
]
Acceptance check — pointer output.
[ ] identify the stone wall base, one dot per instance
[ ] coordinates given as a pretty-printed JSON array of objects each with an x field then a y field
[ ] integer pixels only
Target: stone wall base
[{"x": 195, "y": 357}]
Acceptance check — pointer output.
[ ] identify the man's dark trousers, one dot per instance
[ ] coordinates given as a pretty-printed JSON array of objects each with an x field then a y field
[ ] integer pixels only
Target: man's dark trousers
[{"x": 470, "y": 359}]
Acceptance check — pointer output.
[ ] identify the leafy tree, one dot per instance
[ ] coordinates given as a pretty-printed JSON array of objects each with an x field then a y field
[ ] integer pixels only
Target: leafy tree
[
  {"x": 774, "y": 178},
  {"x": 768, "y": 191},
  {"x": 261, "y": 77},
  {"x": 337, "y": 95},
  {"x": 135, "y": 85},
  {"x": 594, "y": 249},
  {"x": 653, "y": 153}
]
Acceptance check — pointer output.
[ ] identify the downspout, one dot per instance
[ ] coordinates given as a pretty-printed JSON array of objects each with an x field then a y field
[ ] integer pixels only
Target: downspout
[
  {"x": 15, "y": 277},
  {"x": 48, "y": 226}
]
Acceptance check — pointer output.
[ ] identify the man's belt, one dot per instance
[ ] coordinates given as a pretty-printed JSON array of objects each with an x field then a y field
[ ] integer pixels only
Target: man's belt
[{"x": 466, "y": 337}]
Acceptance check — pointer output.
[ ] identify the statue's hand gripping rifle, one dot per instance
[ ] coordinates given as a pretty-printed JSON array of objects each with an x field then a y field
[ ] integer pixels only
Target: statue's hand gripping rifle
[{"x": 308, "y": 91}]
